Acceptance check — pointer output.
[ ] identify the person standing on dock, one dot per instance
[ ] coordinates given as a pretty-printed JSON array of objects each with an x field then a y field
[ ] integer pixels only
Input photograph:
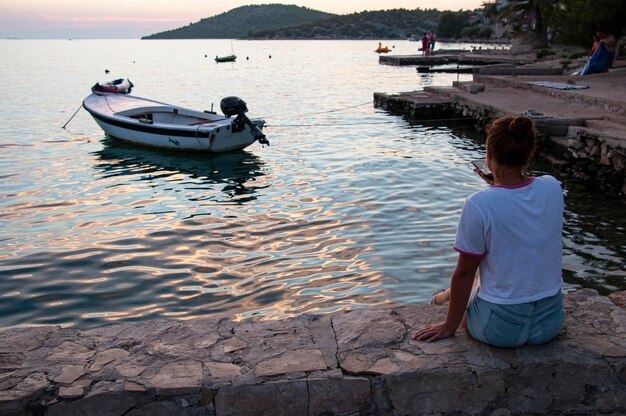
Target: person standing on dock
[
  {"x": 431, "y": 41},
  {"x": 425, "y": 47}
]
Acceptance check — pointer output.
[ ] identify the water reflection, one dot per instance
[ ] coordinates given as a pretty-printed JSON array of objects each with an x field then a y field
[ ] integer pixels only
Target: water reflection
[{"x": 237, "y": 170}]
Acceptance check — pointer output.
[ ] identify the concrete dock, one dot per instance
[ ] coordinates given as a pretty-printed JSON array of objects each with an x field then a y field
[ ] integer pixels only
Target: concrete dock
[
  {"x": 443, "y": 58},
  {"x": 355, "y": 363},
  {"x": 583, "y": 130}
]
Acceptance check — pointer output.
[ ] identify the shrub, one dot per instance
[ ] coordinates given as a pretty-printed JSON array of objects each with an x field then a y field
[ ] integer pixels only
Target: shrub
[{"x": 541, "y": 53}]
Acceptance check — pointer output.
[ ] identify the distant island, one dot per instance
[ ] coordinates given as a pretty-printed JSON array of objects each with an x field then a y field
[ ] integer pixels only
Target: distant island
[{"x": 277, "y": 21}]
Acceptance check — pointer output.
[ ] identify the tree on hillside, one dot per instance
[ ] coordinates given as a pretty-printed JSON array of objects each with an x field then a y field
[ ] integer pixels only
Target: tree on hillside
[
  {"x": 576, "y": 21},
  {"x": 570, "y": 22},
  {"x": 452, "y": 23},
  {"x": 530, "y": 15}
]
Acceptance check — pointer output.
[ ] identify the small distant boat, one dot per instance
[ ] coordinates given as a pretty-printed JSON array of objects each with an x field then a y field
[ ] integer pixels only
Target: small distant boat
[
  {"x": 229, "y": 58},
  {"x": 117, "y": 86},
  {"x": 155, "y": 124}
]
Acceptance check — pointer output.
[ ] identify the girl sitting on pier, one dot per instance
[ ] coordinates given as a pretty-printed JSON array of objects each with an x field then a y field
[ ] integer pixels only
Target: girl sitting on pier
[{"x": 511, "y": 232}]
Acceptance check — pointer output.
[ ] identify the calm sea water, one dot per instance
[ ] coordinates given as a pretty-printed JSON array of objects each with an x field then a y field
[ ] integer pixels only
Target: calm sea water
[{"x": 349, "y": 208}]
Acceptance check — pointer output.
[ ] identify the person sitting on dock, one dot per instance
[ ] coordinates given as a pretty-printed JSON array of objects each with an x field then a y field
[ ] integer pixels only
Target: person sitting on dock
[
  {"x": 512, "y": 232},
  {"x": 603, "y": 54}
]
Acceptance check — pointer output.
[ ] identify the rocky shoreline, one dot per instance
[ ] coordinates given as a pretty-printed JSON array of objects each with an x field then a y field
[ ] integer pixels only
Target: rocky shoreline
[
  {"x": 355, "y": 363},
  {"x": 582, "y": 120}
]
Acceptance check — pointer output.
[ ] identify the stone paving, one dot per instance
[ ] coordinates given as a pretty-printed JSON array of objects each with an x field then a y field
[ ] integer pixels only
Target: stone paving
[{"x": 355, "y": 363}]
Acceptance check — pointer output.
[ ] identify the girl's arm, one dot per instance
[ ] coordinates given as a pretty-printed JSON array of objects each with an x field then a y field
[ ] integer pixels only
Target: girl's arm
[{"x": 460, "y": 289}]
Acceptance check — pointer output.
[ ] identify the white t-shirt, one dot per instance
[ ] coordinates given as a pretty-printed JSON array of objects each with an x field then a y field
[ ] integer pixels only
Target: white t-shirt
[{"x": 518, "y": 232}]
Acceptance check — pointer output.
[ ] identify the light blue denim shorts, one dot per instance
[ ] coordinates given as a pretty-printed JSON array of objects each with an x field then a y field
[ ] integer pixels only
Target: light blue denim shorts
[{"x": 510, "y": 326}]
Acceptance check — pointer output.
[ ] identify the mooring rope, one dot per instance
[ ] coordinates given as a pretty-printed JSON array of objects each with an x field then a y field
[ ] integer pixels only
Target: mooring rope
[
  {"x": 434, "y": 120},
  {"x": 334, "y": 110},
  {"x": 328, "y": 124},
  {"x": 343, "y": 108}
]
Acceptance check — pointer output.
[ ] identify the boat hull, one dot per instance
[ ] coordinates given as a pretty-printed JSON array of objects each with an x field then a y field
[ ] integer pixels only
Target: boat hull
[
  {"x": 230, "y": 58},
  {"x": 219, "y": 135}
]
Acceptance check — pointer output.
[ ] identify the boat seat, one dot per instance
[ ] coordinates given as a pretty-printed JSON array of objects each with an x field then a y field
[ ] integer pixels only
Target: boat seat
[{"x": 203, "y": 122}]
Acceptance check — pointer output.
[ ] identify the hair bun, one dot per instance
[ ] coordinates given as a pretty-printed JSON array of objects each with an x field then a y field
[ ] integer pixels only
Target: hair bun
[{"x": 521, "y": 127}]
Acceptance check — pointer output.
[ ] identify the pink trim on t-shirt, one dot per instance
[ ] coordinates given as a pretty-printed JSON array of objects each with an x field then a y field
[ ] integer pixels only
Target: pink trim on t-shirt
[
  {"x": 515, "y": 186},
  {"x": 469, "y": 254}
]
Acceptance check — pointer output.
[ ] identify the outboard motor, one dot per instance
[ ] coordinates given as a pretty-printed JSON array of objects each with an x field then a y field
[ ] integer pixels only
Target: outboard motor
[{"x": 231, "y": 106}]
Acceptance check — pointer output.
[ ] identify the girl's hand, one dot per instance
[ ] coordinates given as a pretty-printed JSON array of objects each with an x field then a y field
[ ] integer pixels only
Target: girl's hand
[
  {"x": 432, "y": 333},
  {"x": 487, "y": 178}
]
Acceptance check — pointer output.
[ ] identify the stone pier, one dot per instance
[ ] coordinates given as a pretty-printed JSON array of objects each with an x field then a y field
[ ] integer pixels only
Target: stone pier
[
  {"x": 583, "y": 130},
  {"x": 355, "y": 363},
  {"x": 445, "y": 58}
]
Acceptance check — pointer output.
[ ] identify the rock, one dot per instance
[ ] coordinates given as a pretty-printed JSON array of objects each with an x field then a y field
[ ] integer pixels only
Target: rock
[
  {"x": 444, "y": 346},
  {"x": 602, "y": 346},
  {"x": 355, "y": 363},
  {"x": 525, "y": 390},
  {"x": 207, "y": 396},
  {"x": 105, "y": 332},
  {"x": 410, "y": 361},
  {"x": 291, "y": 362},
  {"x": 69, "y": 373},
  {"x": 70, "y": 392},
  {"x": 179, "y": 377},
  {"x": 383, "y": 366},
  {"x": 130, "y": 369},
  {"x": 285, "y": 398},
  {"x": 619, "y": 298},
  {"x": 24, "y": 339},
  {"x": 233, "y": 344},
  {"x": 338, "y": 397},
  {"x": 358, "y": 329},
  {"x": 8, "y": 381},
  {"x": 223, "y": 370},
  {"x": 106, "y": 357},
  {"x": 207, "y": 341},
  {"x": 70, "y": 351},
  {"x": 106, "y": 402},
  {"x": 83, "y": 383},
  {"x": 428, "y": 392},
  {"x": 30, "y": 386},
  {"x": 133, "y": 387},
  {"x": 159, "y": 408},
  {"x": 266, "y": 340},
  {"x": 11, "y": 361}
]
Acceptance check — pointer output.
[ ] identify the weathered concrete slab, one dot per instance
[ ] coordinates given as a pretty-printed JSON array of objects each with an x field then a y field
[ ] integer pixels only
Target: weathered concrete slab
[
  {"x": 490, "y": 70},
  {"x": 416, "y": 105},
  {"x": 357, "y": 363},
  {"x": 441, "y": 58},
  {"x": 607, "y": 91}
]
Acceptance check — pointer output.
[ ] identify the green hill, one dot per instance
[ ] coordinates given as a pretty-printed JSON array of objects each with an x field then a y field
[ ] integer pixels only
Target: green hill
[
  {"x": 244, "y": 21},
  {"x": 384, "y": 24}
]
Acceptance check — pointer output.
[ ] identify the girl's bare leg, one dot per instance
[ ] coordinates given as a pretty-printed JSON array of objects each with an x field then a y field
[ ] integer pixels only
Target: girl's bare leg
[{"x": 443, "y": 296}]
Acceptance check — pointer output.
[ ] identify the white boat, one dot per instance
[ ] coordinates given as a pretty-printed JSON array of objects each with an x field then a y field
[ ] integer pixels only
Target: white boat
[{"x": 156, "y": 124}]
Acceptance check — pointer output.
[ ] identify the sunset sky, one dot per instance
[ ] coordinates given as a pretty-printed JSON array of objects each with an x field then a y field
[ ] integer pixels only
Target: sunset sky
[{"x": 136, "y": 18}]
